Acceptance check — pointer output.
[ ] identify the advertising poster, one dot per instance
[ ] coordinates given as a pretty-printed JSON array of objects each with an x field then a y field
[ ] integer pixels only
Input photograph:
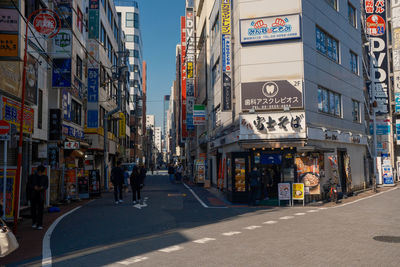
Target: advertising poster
[
  {"x": 9, "y": 45},
  {"x": 66, "y": 104},
  {"x": 9, "y": 20},
  {"x": 31, "y": 82},
  {"x": 309, "y": 170},
  {"x": 61, "y": 72},
  {"x": 375, "y": 11},
  {"x": 70, "y": 182},
  {"x": 10, "y": 77},
  {"x": 199, "y": 115},
  {"x": 272, "y": 95},
  {"x": 183, "y": 78},
  {"x": 94, "y": 182},
  {"x": 298, "y": 191},
  {"x": 55, "y": 124},
  {"x": 398, "y": 132},
  {"x": 83, "y": 184},
  {"x": 122, "y": 125},
  {"x": 347, "y": 170},
  {"x": 65, "y": 12},
  {"x": 284, "y": 191},
  {"x": 11, "y": 111},
  {"x": 270, "y": 29},
  {"x": 334, "y": 168},
  {"x": 53, "y": 156},
  {"x": 72, "y": 132},
  {"x": 226, "y": 55},
  {"x": 10, "y": 190}
]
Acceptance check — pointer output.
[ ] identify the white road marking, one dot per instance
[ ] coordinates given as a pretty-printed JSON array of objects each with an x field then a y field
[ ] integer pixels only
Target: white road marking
[
  {"x": 252, "y": 227},
  {"x": 300, "y": 213},
  {"x": 231, "y": 233},
  {"x": 46, "y": 254},
  {"x": 194, "y": 194},
  {"x": 171, "y": 249},
  {"x": 323, "y": 208},
  {"x": 270, "y": 222},
  {"x": 132, "y": 260},
  {"x": 312, "y": 211},
  {"x": 286, "y": 217},
  {"x": 204, "y": 240},
  {"x": 140, "y": 206}
]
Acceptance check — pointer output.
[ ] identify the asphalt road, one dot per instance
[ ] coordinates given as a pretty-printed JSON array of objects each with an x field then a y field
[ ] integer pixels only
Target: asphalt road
[{"x": 174, "y": 229}]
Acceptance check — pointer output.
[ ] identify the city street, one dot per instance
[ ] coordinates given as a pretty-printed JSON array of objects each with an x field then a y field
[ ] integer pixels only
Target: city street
[{"x": 172, "y": 228}]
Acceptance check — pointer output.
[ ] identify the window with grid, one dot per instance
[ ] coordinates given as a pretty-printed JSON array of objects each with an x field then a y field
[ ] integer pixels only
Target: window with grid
[
  {"x": 356, "y": 111},
  {"x": 76, "y": 112},
  {"x": 109, "y": 15},
  {"x": 352, "y": 14},
  {"x": 329, "y": 102},
  {"x": 79, "y": 19},
  {"x": 129, "y": 20},
  {"x": 327, "y": 45},
  {"x": 332, "y": 3},
  {"x": 78, "y": 67},
  {"x": 136, "y": 39},
  {"x": 135, "y": 53},
  {"x": 136, "y": 20},
  {"x": 129, "y": 38},
  {"x": 353, "y": 62}
]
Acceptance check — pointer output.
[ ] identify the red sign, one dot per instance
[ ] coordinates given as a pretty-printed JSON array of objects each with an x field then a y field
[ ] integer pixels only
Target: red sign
[
  {"x": 376, "y": 25},
  {"x": 4, "y": 127},
  {"x": 46, "y": 22},
  {"x": 183, "y": 76}
]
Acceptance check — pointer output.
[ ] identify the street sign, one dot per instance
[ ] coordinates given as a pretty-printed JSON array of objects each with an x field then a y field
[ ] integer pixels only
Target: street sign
[
  {"x": 4, "y": 127},
  {"x": 46, "y": 22}
]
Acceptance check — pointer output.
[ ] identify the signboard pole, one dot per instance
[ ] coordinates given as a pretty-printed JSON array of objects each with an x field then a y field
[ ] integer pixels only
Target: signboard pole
[{"x": 4, "y": 179}]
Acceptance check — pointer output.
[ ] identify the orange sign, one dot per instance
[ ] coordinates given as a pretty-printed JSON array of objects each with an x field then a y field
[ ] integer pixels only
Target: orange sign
[{"x": 8, "y": 45}]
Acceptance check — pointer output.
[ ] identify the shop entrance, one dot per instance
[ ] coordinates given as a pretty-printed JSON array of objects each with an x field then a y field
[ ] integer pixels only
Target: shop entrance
[
  {"x": 270, "y": 177},
  {"x": 342, "y": 172}
]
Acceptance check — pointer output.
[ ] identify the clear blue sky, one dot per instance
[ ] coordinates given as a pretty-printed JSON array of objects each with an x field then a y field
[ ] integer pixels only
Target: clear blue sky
[{"x": 160, "y": 26}]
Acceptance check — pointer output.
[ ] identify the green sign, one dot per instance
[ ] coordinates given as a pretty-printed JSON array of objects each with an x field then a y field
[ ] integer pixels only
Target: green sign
[{"x": 93, "y": 24}]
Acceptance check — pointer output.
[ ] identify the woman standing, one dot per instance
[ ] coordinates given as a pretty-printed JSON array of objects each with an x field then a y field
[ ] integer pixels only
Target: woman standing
[{"x": 135, "y": 181}]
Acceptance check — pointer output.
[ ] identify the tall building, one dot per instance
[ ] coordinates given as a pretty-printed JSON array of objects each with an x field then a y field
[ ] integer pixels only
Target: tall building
[
  {"x": 157, "y": 139},
  {"x": 289, "y": 103},
  {"x": 150, "y": 122},
  {"x": 129, "y": 11},
  {"x": 166, "y": 107}
]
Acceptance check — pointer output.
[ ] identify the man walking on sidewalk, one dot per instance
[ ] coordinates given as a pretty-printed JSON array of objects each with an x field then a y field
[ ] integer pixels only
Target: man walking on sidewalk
[
  {"x": 135, "y": 180},
  {"x": 35, "y": 189},
  {"x": 117, "y": 179}
]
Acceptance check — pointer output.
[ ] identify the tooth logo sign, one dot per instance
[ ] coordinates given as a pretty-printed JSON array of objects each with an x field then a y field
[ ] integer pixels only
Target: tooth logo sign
[{"x": 270, "y": 89}]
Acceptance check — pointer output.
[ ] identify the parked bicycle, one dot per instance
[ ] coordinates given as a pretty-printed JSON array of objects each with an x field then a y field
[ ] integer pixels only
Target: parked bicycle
[{"x": 331, "y": 191}]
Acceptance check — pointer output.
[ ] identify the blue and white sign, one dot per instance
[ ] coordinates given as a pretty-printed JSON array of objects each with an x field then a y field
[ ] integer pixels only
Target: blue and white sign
[
  {"x": 397, "y": 102},
  {"x": 73, "y": 132},
  {"x": 61, "y": 72},
  {"x": 226, "y": 53},
  {"x": 66, "y": 104},
  {"x": 270, "y": 29},
  {"x": 93, "y": 98},
  {"x": 93, "y": 85}
]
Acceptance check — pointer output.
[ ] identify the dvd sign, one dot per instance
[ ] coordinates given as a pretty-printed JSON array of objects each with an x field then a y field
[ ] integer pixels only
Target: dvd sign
[{"x": 376, "y": 25}]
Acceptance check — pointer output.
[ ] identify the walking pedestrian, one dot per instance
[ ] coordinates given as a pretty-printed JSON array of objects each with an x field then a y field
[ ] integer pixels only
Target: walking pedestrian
[
  {"x": 117, "y": 179},
  {"x": 36, "y": 187},
  {"x": 179, "y": 171},
  {"x": 171, "y": 172},
  {"x": 135, "y": 180},
  {"x": 142, "y": 172},
  {"x": 254, "y": 182}
]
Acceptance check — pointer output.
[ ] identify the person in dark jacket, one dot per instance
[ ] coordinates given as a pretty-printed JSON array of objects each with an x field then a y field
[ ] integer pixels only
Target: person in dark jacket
[
  {"x": 142, "y": 172},
  {"x": 171, "y": 172},
  {"x": 117, "y": 179},
  {"x": 36, "y": 187},
  {"x": 135, "y": 180},
  {"x": 254, "y": 184}
]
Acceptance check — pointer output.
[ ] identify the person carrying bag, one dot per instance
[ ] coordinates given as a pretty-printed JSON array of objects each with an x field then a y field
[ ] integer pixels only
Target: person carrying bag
[{"x": 8, "y": 242}]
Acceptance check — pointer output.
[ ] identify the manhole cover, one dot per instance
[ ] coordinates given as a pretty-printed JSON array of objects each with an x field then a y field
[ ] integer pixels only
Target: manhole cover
[{"x": 387, "y": 238}]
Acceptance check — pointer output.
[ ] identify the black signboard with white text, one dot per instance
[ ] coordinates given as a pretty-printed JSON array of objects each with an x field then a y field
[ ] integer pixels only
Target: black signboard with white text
[{"x": 272, "y": 95}]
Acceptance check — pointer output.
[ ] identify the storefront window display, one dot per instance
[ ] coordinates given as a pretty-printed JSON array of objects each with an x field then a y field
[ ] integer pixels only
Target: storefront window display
[{"x": 310, "y": 170}]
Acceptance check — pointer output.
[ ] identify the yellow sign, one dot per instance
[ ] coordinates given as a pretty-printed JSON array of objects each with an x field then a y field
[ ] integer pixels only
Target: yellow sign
[
  {"x": 298, "y": 191},
  {"x": 190, "y": 70},
  {"x": 122, "y": 125},
  {"x": 226, "y": 17},
  {"x": 8, "y": 45}
]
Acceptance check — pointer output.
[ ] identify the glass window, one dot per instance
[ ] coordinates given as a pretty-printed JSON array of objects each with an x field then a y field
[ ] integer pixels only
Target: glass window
[
  {"x": 76, "y": 112},
  {"x": 353, "y": 62},
  {"x": 79, "y": 67},
  {"x": 136, "y": 39},
  {"x": 103, "y": 3},
  {"x": 109, "y": 15},
  {"x": 329, "y": 102},
  {"x": 352, "y": 15},
  {"x": 332, "y": 3},
  {"x": 215, "y": 72},
  {"x": 129, "y": 20},
  {"x": 327, "y": 45},
  {"x": 115, "y": 31},
  {"x": 136, "y": 53},
  {"x": 215, "y": 29},
  {"x": 109, "y": 49},
  {"x": 129, "y": 37},
  {"x": 102, "y": 34},
  {"x": 356, "y": 111}
]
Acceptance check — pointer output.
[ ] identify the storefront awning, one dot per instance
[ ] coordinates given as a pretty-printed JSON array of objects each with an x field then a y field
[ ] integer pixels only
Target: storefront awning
[
  {"x": 270, "y": 144},
  {"x": 77, "y": 153},
  {"x": 315, "y": 149}
]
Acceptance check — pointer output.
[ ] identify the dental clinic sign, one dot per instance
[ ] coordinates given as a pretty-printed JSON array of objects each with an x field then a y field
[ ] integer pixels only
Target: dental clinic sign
[{"x": 270, "y": 29}]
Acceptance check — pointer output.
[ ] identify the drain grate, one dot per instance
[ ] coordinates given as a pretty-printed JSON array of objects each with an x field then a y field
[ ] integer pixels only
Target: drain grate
[{"x": 387, "y": 238}]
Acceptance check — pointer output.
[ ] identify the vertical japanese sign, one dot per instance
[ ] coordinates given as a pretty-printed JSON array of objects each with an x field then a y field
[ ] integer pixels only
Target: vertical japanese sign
[
  {"x": 396, "y": 53},
  {"x": 122, "y": 124},
  {"x": 376, "y": 27},
  {"x": 398, "y": 131},
  {"x": 226, "y": 55},
  {"x": 93, "y": 98},
  {"x": 10, "y": 190},
  {"x": 93, "y": 19},
  {"x": 190, "y": 54},
  {"x": 183, "y": 77}
]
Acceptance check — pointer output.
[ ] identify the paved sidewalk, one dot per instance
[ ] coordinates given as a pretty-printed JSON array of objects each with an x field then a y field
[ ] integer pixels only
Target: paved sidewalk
[{"x": 30, "y": 240}]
